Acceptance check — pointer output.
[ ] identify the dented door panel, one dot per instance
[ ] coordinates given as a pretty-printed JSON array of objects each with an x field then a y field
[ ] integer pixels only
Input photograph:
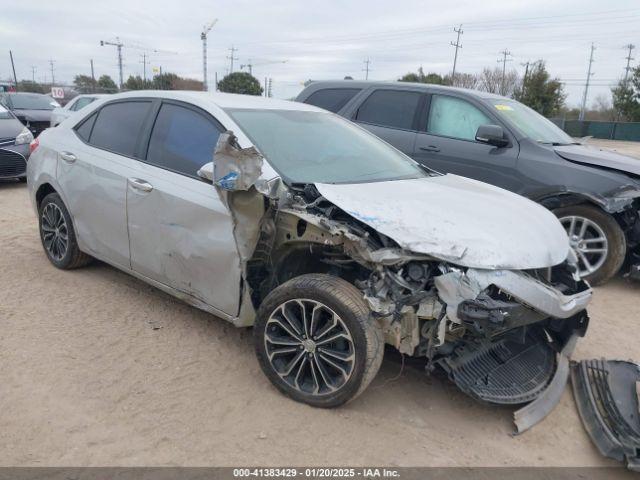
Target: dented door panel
[{"x": 181, "y": 235}]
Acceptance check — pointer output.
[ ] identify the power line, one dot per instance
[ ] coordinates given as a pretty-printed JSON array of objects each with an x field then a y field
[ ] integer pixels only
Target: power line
[
  {"x": 586, "y": 87},
  {"x": 231, "y": 58},
  {"x": 505, "y": 53},
  {"x": 366, "y": 68},
  {"x": 630, "y": 46},
  {"x": 53, "y": 78},
  {"x": 455, "y": 57}
]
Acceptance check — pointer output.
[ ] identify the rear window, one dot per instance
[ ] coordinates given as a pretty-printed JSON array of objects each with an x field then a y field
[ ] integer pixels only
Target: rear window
[
  {"x": 332, "y": 99},
  {"x": 390, "y": 108},
  {"x": 119, "y": 125},
  {"x": 84, "y": 129}
]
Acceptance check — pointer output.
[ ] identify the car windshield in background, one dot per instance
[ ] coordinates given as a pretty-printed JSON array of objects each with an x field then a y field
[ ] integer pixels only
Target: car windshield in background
[
  {"x": 531, "y": 123},
  {"x": 28, "y": 101},
  {"x": 317, "y": 147}
]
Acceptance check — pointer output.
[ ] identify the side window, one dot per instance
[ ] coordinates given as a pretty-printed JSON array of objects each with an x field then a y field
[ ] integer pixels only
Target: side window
[
  {"x": 119, "y": 125},
  {"x": 390, "y": 108},
  {"x": 454, "y": 117},
  {"x": 182, "y": 140},
  {"x": 84, "y": 129},
  {"x": 332, "y": 99}
]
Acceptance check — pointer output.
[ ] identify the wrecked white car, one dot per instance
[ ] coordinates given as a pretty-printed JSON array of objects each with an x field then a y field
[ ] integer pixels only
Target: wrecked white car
[{"x": 327, "y": 240}]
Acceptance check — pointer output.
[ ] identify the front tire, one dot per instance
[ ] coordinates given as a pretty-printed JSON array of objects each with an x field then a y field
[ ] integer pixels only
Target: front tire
[
  {"x": 58, "y": 236},
  {"x": 597, "y": 239},
  {"x": 316, "y": 341}
]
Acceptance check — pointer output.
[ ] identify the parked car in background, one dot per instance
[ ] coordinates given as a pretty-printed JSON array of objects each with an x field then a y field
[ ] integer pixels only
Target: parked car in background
[
  {"x": 32, "y": 109},
  {"x": 62, "y": 113},
  {"x": 594, "y": 193},
  {"x": 326, "y": 239},
  {"x": 14, "y": 146}
]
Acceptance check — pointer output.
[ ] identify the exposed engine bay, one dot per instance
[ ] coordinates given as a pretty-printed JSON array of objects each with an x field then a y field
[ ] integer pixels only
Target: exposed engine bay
[{"x": 503, "y": 336}]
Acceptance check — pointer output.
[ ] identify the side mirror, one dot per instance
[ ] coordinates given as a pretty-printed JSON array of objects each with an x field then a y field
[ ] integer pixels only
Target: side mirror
[
  {"x": 206, "y": 172},
  {"x": 491, "y": 135}
]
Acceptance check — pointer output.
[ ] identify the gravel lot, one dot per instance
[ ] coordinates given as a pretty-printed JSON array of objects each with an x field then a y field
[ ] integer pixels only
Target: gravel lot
[{"x": 97, "y": 368}]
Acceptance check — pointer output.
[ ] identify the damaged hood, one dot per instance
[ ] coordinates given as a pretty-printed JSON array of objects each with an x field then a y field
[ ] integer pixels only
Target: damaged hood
[
  {"x": 463, "y": 221},
  {"x": 589, "y": 155}
]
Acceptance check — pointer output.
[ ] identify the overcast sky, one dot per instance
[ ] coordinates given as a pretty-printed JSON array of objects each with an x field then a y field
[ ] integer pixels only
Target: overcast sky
[{"x": 320, "y": 39}]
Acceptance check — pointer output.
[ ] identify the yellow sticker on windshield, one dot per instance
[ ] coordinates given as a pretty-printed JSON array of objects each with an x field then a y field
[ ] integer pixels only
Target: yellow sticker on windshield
[{"x": 503, "y": 107}]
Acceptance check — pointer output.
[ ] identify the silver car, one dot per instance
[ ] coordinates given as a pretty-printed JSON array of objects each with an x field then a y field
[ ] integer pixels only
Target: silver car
[
  {"x": 325, "y": 239},
  {"x": 60, "y": 114}
]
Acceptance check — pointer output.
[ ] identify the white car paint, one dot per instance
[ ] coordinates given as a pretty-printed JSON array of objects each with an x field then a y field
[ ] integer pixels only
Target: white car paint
[{"x": 466, "y": 222}]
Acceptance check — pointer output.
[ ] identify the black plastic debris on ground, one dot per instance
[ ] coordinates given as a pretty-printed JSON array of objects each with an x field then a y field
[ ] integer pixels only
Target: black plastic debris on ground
[{"x": 607, "y": 395}]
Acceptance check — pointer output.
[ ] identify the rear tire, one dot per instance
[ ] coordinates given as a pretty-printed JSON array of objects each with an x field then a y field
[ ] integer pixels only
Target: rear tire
[
  {"x": 58, "y": 236},
  {"x": 598, "y": 223},
  {"x": 293, "y": 332}
]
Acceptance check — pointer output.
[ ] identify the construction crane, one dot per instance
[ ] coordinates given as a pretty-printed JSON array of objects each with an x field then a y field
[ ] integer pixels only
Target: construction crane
[
  {"x": 119, "y": 45},
  {"x": 249, "y": 65},
  {"x": 203, "y": 36}
]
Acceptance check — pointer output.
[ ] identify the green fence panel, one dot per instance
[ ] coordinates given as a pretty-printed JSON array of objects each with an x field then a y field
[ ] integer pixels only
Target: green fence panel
[{"x": 629, "y": 131}]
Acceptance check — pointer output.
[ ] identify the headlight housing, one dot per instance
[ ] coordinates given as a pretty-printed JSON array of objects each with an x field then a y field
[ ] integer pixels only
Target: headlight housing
[{"x": 25, "y": 136}]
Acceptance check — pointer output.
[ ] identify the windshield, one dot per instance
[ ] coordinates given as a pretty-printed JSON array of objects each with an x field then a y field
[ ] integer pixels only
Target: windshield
[
  {"x": 531, "y": 123},
  {"x": 319, "y": 147},
  {"x": 32, "y": 101}
]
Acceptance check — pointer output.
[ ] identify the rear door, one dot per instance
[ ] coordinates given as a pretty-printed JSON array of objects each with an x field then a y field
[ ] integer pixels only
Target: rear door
[
  {"x": 446, "y": 142},
  {"x": 94, "y": 164},
  {"x": 180, "y": 233},
  {"x": 391, "y": 115}
]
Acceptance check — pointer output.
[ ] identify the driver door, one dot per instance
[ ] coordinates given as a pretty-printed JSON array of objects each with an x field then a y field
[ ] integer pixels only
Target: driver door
[
  {"x": 447, "y": 143},
  {"x": 180, "y": 233}
]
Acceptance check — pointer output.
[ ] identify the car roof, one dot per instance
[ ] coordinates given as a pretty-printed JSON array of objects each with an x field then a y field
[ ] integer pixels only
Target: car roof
[
  {"x": 432, "y": 87},
  {"x": 221, "y": 100}
]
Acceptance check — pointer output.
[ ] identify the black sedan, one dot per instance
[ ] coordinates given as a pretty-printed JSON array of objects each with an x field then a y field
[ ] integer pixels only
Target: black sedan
[
  {"x": 32, "y": 109},
  {"x": 14, "y": 146}
]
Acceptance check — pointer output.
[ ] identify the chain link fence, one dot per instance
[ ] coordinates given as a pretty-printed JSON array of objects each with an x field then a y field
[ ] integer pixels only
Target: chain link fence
[{"x": 629, "y": 131}]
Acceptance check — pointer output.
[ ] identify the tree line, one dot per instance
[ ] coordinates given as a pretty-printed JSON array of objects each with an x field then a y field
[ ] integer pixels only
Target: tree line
[{"x": 536, "y": 88}]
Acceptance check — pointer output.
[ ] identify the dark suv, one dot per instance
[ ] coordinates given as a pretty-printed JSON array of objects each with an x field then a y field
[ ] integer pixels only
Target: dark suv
[{"x": 594, "y": 193}]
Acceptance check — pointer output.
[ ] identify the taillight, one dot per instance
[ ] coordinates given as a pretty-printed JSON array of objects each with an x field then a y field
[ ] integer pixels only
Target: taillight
[{"x": 35, "y": 143}]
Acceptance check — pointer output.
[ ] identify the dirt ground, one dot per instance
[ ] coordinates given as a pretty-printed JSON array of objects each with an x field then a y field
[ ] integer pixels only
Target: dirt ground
[{"x": 97, "y": 368}]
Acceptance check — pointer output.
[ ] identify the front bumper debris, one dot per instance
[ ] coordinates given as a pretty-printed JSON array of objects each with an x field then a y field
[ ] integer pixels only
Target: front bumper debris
[
  {"x": 536, "y": 411},
  {"x": 607, "y": 393}
]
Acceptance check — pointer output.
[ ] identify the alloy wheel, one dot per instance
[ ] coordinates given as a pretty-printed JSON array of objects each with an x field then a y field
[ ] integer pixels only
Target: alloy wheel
[
  {"x": 588, "y": 241},
  {"x": 55, "y": 234},
  {"x": 309, "y": 347}
]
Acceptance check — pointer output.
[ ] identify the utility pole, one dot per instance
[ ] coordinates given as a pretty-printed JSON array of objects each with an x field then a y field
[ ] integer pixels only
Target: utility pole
[
  {"x": 216, "y": 81},
  {"x": 526, "y": 74},
  {"x": 93, "y": 78},
  {"x": 586, "y": 87},
  {"x": 366, "y": 68},
  {"x": 144, "y": 67},
  {"x": 13, "y": 67},
  {"x": 119, "y": 46},
  {"x": 269, "y": 87},
  {"x": 265, "y": 86},
  {"x": 203, "y": 36},
  {"x": 33, "y": 74},
  {"x": 249, "y": 65},
  {"x": 231, "y": 58},
  {"x": 455, "y": 57},
  {"x": 630, "y": 46},
  {"x": 53, "y": 78},
  {"x": 505, "y": 53}
]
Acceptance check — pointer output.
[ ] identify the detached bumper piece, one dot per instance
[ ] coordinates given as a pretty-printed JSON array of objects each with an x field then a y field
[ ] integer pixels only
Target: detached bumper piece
[
  {"x": 607, "y": 394},
  {"x": 505, "y": 372}
]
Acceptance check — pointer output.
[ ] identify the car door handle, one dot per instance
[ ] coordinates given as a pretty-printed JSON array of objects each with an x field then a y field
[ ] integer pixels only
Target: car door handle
[
  {"x": 68, "y": 157},
  {"x": 430, "y": 148},
  {"x": 141, "y": 185}
]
